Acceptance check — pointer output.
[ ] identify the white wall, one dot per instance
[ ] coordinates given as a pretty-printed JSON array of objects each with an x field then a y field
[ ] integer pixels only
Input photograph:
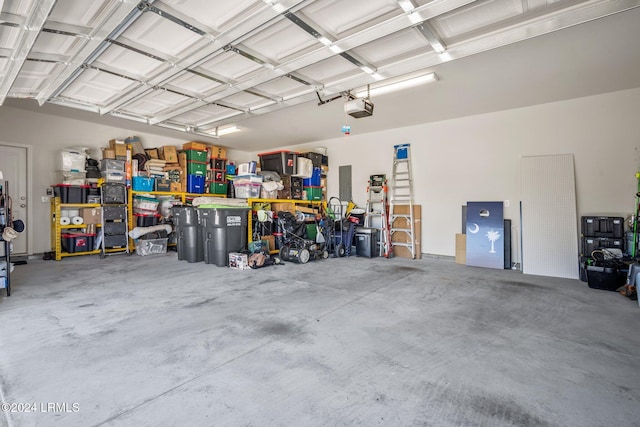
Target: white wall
[
  {"x": 46, "y": 135},
  {"x": 468, "y": 159},
  {"x": 477, "y": 158}
]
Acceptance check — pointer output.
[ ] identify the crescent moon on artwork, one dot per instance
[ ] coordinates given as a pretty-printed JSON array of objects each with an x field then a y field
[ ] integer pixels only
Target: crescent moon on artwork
[{"x": 474, "y": 229}]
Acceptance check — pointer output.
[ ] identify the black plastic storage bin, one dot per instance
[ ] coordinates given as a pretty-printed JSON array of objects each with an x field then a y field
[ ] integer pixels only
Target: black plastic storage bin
[
  {"x": 114, "y": 193},
  {"x": 590, "y": 244},
  {"x": 111, "y": 213},
  {"x": 116, "y": 241},
  {"x": 607, "y": 279},
  {"x": 367, "y": 242},
  {"x": 77, "y": 242},
  {"x": 282, "y": 162},
  {"x": 71, "y": 193},
  {"x": 224, "y": 230},
  {"x": 603, "y": 226},
  {"x": 114, "y": 227},
  {"x": 146, "y": 220},
  {"x": 189, "y": 242}
]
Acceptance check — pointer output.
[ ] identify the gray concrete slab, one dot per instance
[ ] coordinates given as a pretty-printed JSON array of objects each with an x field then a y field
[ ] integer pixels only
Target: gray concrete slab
[{"x": 151, "y": 341}]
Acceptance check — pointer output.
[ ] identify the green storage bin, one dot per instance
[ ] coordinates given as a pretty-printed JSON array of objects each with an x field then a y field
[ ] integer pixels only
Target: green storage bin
[
  {"x": 313, "y": 193},
  {"x": 196, "y": 156},
  {"x": 218, "y": 188},
  {"x": 194, "y": 168}
]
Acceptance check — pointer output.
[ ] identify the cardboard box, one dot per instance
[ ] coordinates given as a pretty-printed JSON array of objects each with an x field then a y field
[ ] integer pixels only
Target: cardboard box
[
  {"x": 176, "y": 187},
  {"x": 92, "y": 215},
  {"x": 163, "y": 184},
  {"x": 108, "y": 153},
  {"x": 152, "y": 153},
  {"x": 217, "y": 152},
  {"x": 283, "y": 207},
  {"x": 238, "y": 261},
  {"x": 168, "y": 153},
  {"x": 461, "y": 248},
  {"x": 182, "y": 159},
  {"x": 194, "y": 145},
  {"x": 119, "y": 147},
  {"x": 271, "y": 241},
  {"x": 401, "y": 251},
  {"x": 304, "y": 209}
]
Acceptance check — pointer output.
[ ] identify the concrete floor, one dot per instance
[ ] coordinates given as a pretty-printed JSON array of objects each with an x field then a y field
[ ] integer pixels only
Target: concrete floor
[{"x": 152, "y": 341}]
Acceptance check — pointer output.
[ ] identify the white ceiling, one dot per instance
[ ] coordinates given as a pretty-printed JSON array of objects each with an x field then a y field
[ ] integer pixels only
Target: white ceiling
[{"x": 281, "y": 70}]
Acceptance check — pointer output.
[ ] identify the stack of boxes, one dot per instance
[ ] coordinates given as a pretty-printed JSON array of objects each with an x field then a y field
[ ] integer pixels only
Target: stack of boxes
[
  {"x": 194, "y": 159},
  {"x": 217, "y": 176},
  {"x": 113, "y": 170},
  {"x": 599, "y": 232}
]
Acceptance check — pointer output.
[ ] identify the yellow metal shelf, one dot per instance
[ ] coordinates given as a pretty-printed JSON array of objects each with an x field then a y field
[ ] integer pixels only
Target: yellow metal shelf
[{"x": 250, "y": 202}]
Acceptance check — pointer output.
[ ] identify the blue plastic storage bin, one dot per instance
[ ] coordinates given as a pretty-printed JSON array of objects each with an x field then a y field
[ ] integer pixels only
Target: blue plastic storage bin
[
  {"x": 314, "y": 181},
  {"x": 195, "y": 184},
  {"x": 142, "y": 183}
]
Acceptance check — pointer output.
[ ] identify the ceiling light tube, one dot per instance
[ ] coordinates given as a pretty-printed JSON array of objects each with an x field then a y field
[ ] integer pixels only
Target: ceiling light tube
[
  {"x": 227, "y": 130},
  {"x": 400, "y": 85}
]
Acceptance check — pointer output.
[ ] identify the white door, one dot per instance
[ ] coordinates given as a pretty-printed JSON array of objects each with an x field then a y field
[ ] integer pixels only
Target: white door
[{"x": 13, "y": 164}]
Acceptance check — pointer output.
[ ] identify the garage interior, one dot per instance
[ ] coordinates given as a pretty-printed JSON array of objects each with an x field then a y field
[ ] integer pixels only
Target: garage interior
[{"x": 489, "y": 91}]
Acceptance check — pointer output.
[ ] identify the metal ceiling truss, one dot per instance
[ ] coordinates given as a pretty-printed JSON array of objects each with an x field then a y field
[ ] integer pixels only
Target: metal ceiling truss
[{"x": 230, "y": 46}]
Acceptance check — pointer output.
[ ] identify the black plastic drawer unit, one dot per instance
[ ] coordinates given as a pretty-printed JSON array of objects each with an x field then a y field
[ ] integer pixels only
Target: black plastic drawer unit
[{"x": 603, "y": 226}]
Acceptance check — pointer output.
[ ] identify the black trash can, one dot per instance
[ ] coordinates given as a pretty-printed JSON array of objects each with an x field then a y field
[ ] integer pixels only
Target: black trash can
[
  {"x": 188, "y": 233},
  {"x": 224, "y": 230},
  {"x": 367, "y": 242}
]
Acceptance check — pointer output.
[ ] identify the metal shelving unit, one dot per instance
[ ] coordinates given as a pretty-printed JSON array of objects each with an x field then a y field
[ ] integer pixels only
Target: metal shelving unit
[
  {"x": 56, "y": 228},
  {"x": 4, "y": 221}
]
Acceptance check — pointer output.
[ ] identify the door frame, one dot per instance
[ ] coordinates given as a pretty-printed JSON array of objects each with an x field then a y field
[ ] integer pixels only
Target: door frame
[{"x": 29, "y": 221}]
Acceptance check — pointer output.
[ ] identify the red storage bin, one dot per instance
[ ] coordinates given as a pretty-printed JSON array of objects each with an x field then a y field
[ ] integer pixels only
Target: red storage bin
[{"x": 77, "y": 242}]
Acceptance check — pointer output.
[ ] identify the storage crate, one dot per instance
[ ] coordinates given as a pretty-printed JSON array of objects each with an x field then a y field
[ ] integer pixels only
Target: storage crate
[
  {"x": 116, "y": 241},
  {"x": 142, "y": 183},
  {"x": 110, "y": 176},
  {"x": 163, "y": 184},
  {"x": 146, "y": 203},
  {"x": 607, "y": 279},
  {"x": 290, "y": 182},
  {"x": 196, "y": 156},
  {"x": 195, "y": 184},
  {"x": 112, "y": 165},
  {"x": 218, "y": 187},
  {"x": 151, "y": 247},
  {"x": 71, "y": 178},
  {"x": 282, "y": 162},
  {"x": 248, "y": 179},
  {"x": 590, "y": 244},
  {"x": 313, "y": 193},
  {"x": 114, "y": 227},
  {"x": 231, "y": 169},
  {"x": 247, "y": 191},
  {"x": 73, "y": 160},
  {"x": 218, "y": 163},
  {"x": 247, "y": 168},
  {"x": 71, "y": 193},
  {"x": 603, "y": 226},
  {"x": 113, "y": 212},
  {"x": 77, "y": 242},
  {"x": 146, "y": 220},
  {"x": 196, "y": 168},
  {"x": 114, "y": 193},
  {"x": 216, "y": 175},
  {"x": 314, "y": 181}
]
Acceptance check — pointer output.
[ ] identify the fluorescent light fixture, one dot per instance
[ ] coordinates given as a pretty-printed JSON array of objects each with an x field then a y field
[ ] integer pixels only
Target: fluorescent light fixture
[
  {"x": 227, "y": 130},
  {"x": 399, "y": 85}
]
